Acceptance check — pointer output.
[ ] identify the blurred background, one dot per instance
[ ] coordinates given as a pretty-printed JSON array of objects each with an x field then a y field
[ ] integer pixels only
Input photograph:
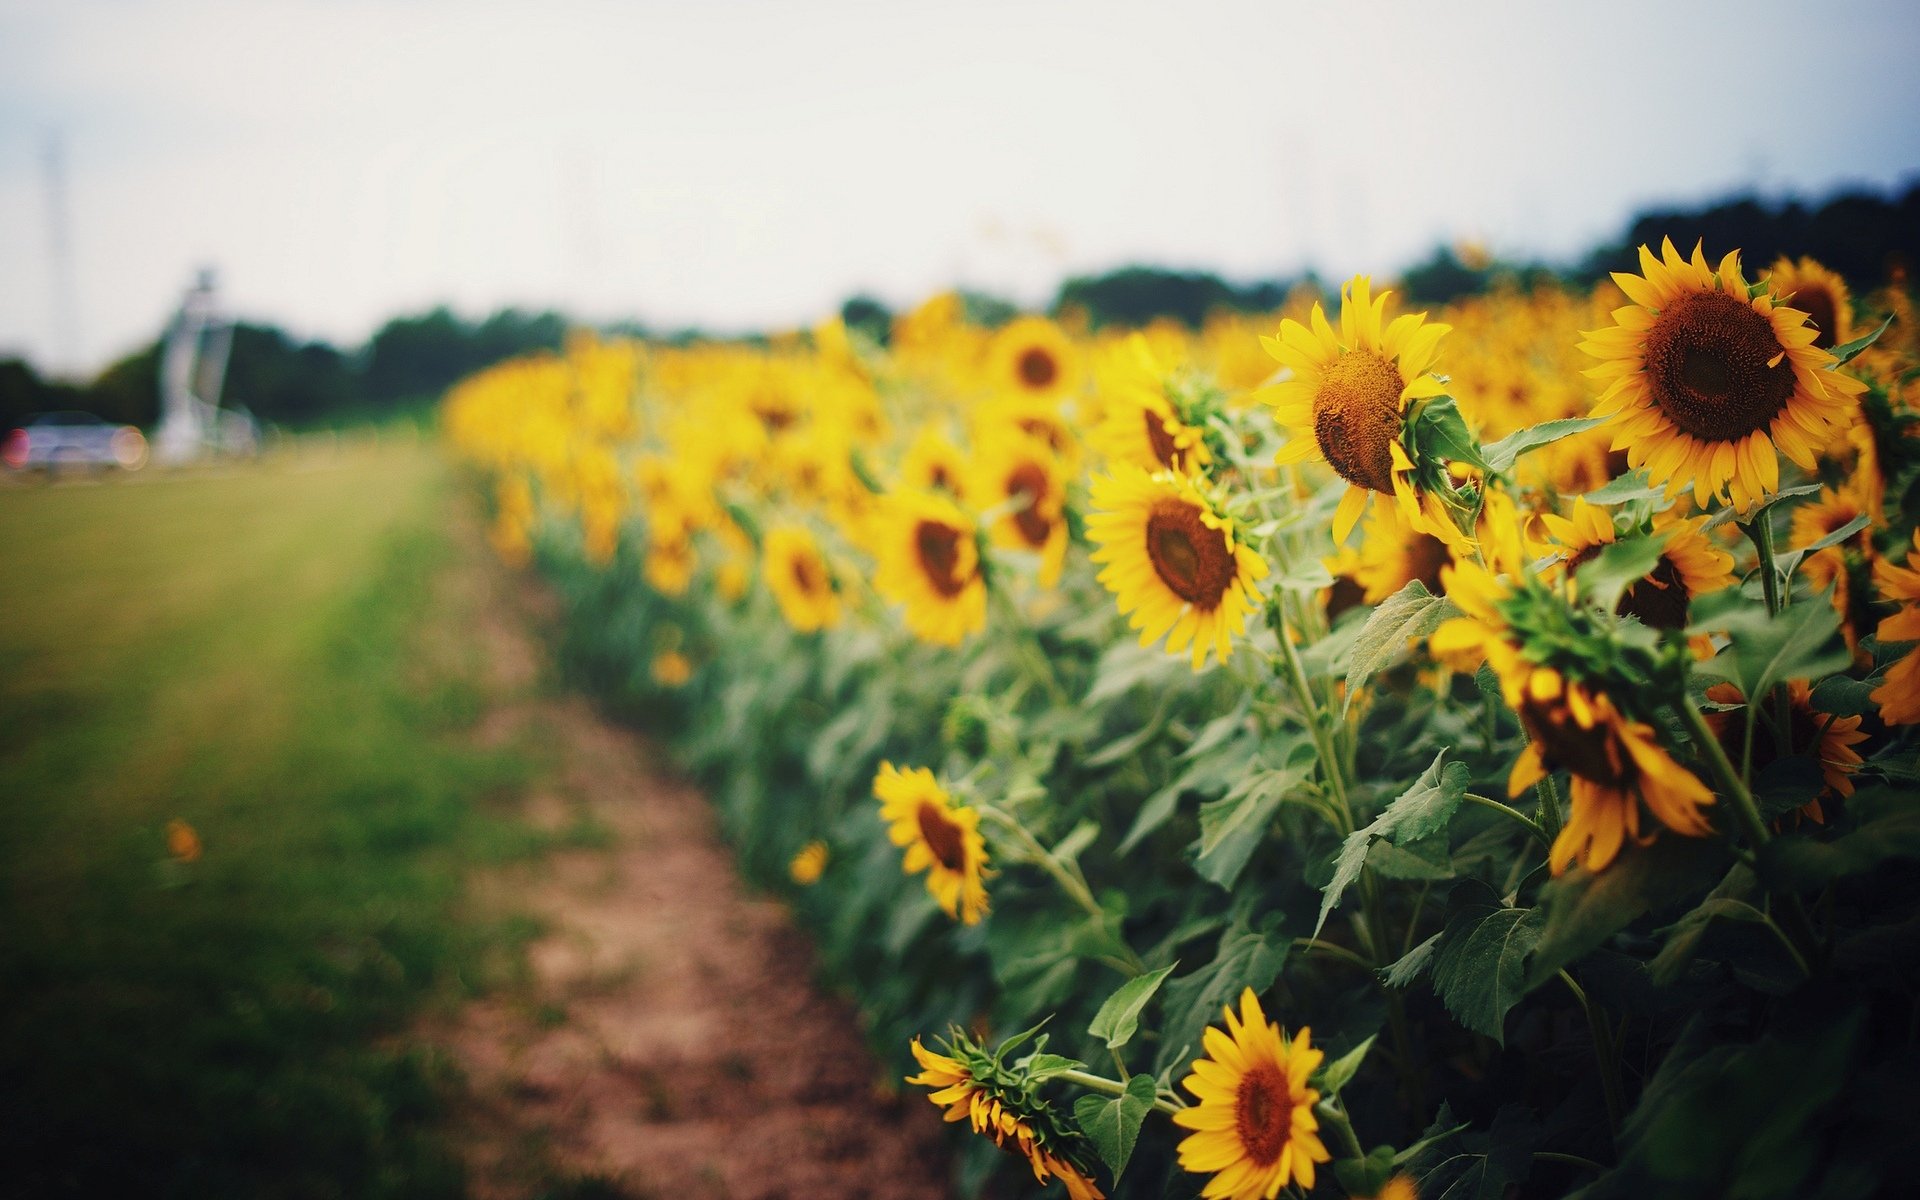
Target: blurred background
[{"x": 395, "y": 192}]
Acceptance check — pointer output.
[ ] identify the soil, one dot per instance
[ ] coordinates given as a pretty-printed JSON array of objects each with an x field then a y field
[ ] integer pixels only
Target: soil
[{"x": 670, "y": 1041}]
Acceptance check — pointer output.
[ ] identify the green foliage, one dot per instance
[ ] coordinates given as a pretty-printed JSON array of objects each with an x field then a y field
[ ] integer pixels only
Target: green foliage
[
  {"x": 1119, "y": 1017},
  {"x": 1113, "y": 1122}
]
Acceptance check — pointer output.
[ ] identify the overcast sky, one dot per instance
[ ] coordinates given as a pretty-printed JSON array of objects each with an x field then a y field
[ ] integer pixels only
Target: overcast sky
[{"x": 753, "y": 162}]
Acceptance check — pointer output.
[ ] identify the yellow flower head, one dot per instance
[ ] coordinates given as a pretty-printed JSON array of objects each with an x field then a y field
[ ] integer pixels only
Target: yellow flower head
[
  {"x": 1690, "y": 565},
  {"x": 802, "y": 583},
  {"x": 1031, "y": 357},
  {"x": 1704, "y": 382},
  {"x": 1173, "y": 561},
  {"x": 671, "y": 669},
  {"x": 1254, "y": 1128},
  {"x": 183, "y": 841},
  {"x": 940, "y": 838},
  {"x": 1346, "y": 402},
  {"x": 1899, "y": 693},
  {"x": 1021, "y": 471},
  {"x": 1819, "y": 293},
  {"x": 809, "y": 864},
  {"x": 1139, "y": 424},
  {"x": 962, "y": 1095},
  {"x": 929, "y": 561}
]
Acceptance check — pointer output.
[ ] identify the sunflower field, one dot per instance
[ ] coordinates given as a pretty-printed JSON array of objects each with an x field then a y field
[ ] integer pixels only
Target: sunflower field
[{"x": 1351, "y": 752}]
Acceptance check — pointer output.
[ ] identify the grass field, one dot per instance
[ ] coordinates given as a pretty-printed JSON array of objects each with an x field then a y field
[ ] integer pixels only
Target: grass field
[{"x": 268, "y": 653}]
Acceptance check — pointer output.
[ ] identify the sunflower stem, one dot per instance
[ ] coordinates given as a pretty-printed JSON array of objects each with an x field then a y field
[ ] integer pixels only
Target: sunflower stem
[
  {"x": 1761, "y": 531},
  {"x": 1746, "y": 814},
  {"x": 1512, "y": 814},
  {"x": 1335, "y": 949},
  {"x": 1549, "y": 795},
  {"x": 1331, "y": 1114},
  {"x": 1113, "y": 1087},
  {"x": 1071, "y": 882},
  {"x": 1331, "y": 763},
  {"x": 1603, "y": 1054}
]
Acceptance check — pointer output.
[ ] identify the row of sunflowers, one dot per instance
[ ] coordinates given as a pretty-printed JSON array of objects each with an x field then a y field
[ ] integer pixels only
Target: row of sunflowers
[{"x": 1353, "y": 751}]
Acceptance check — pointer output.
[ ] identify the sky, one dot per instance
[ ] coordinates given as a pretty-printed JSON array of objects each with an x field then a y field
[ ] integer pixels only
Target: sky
[{"x": 750, "y": 163}]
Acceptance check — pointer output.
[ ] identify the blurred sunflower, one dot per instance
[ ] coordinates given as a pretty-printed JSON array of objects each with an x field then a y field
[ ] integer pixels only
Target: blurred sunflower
[
  {"x": 801, "y": 581},
  {"x": 1140, "y": 424},
  {"x": 1254, "y": 1128},
  {"x": 1705, "y": 381},
  {"x": 976, "y": 1097},
  {"x": 1819, "y": 293},
  {"x": 1393, "y": 554},
  {"x": 929, "y": 561},
  {"x": 1173, "y": 560},
  {"x": 940, "y": 838},
  {"x": 670, "y": 555},
  {"x": 809, "y": 864},
  {"x": 1690, "y": 566},
  {"x": 1023, "y": 473},
  {"x": 671, "y": 669},
  {"x": 1031, "y": 357},
  {"x": 1346, "y": 402},
  {"x": 183, "y": 841},
  {"x": 1899, "y": 693},
  {"x": 934, "y": 464},
  {"x": 1616, "y": 764},
  {"x": 1828, "y": 513},
  {"x": 1828, "y": 739}
]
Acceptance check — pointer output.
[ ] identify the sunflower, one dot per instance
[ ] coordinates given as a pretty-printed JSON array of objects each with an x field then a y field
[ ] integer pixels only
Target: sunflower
[
  {"x": 976, "y": 1097},
  {"x": 1705, "y": 383},
  {"x": 1141, "y": 423},
  {"x": 1346, "y": 403},
  {"x": 809, "y": 864},
  {"x": 1819, "y": 293},
  {"x": 1617, "y": 765},
  {"x": 940, "y": 838},
  {"x": 1022, "y": 472},
  {"x": 670, "y": 555},
  {"x": 1031, "y": 357},
  {"x": 1393, "y": 554},
  {"x": 930, "y": 562},
  {"x": 671, "y": 669},
  {"x": 1689, "y": 565},
  {"x": 801, "y": 581},
  {"x": 1899, "y": 694},
  {"x": 1255, "y": 1131},
  {"x": 183, "y": 841},
  {"x": 934, "y": 464},
  {"x": 1827, "y": 738},
  {"x": 1827, "y": 567},
  {"x": 1173, "y": 560}
]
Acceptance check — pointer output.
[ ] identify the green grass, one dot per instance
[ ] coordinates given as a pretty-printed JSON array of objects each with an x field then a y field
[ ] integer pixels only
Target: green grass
[{"x": 272, "y": 654}]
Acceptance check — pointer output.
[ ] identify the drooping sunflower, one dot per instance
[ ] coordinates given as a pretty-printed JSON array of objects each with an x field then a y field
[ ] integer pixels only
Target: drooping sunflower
[
  {"x": 802, "y": 582},
  {"x": 1689, "y": 565},
  {"x": 1140, "y": 423},
  {"x": 1032, "y": 357},
  {"x": 1899, "y": 693},
  {"x": 1704, "y": 382},
  {"x": 1346, "y": 403},
  {"x": 1021, "y": 471},
  {"x": 1254, "y": 1127},
  {"x": 940, "y": 838},
  {"x": 1617, "y": 765},
  {"x": 1173, "y": 560},
  {"x": 1818, "y": 292},
  {"x": 1828, "y": 739},
  {"x": 962, "y": 1094},
  {"x": 929, "y": 561}
]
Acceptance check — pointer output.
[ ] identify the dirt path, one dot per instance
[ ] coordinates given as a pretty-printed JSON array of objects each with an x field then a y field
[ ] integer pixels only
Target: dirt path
[{"x": 670, "y": 1042}]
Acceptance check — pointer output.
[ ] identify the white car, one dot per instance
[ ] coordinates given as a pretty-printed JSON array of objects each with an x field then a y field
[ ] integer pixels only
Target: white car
[{"x": 73, "y": 439}]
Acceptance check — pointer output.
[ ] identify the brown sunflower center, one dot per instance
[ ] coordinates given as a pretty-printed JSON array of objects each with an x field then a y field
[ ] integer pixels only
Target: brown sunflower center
[
  {"x": 1426, "y": 554},
  {"x": 808, "y": 576},
  {"x": 944, "y": 839},
  {"x": 1030, "y": 481},
  {"x": 1823, "y": 312},
  {"x": 1356, "y": 417},
  {"x": 938, "y": 545},
  {"x": 1052, "y": 433},
  {"x": 1588, "y": 753},
  {"x": 1037, "y": 367},
  {"x": 1715, "y": 367},
  {"x": 942, "y": 478},
  {"x": 1263, "y": 1113},
  {"x": 1165, "y": 448},
  {"x": 1191, "y": 559}
]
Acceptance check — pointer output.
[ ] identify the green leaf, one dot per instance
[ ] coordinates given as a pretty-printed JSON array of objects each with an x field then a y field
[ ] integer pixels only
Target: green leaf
[
  {"x": 1436, "y": 430},
  {"x": 1413, "y": 964},
  {"x": 1631, "y": 486},
  {"x": 1113, "y": 1122},
  {"x": 1787, "y": 784},
  {"x": 1845, "y": 354},
  {"x": 1840, "y": 696},
  {"x": 1502, "y": 454},
  {"x": 1420, "y": 811},
  {"x": 1232, "y": 827},
  {"x": 1605, "y": 577},
  {"x": 1119, "y": 1017},
  {"x": 1040, "y": 1066},
  {"x": 1412, "y": 612},
  {"x": 1340, "y": 1072},
  {"x": 1839, "y": 535},
  {"x": 1479, "y": 970},
  {"x": 1246, "y": 958},
  {"x": 1365, "y": 1176},
  {"x": 1889, "y": 830},
  {"x": 1583, "y": 909},
  {"x": 1801, "y": 643},
  {"x": 1684, "y": 938}
]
